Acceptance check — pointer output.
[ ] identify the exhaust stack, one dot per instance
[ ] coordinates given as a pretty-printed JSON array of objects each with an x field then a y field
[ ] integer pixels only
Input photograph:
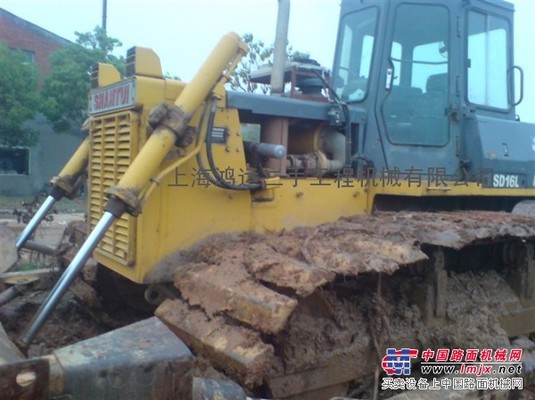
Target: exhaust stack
[{"x": 279, "y": 53}]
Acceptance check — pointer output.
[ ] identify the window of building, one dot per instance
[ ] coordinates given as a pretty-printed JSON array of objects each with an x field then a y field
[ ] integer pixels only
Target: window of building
[
  {"x": 14, "y": 161},
  {"x": 30, "y": 56}
]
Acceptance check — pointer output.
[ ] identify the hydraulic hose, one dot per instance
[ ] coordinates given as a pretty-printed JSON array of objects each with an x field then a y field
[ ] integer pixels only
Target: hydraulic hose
[
  {"x": 345, "y": 110},
  {"x": 125, "y": 196},
  {"x": 220, "y": 182}
]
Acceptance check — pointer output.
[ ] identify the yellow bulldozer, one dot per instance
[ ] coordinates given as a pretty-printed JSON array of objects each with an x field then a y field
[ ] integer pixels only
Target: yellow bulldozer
[{"x": 383, "y": 206}]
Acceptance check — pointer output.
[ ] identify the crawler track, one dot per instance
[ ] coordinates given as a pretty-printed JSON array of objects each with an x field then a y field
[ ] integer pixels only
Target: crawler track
[{"x": 310, "y": 312}]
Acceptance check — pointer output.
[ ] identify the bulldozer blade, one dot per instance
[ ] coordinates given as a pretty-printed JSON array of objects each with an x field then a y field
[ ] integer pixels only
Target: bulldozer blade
[{"x": 144, "y": 360}]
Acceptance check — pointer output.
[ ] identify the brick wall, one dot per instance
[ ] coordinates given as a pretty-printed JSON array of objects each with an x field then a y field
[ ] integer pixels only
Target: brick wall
[
  {"x": 23, "y": 35},
  {"x": 51, "y": 152}
]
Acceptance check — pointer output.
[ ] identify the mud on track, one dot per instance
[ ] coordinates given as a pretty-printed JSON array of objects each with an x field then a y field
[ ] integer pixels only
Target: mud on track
[{"x": 321, "y": 304}]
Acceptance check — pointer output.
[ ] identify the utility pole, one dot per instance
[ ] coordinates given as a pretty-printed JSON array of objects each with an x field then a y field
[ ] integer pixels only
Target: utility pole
[{"x": 104, "y": 14}]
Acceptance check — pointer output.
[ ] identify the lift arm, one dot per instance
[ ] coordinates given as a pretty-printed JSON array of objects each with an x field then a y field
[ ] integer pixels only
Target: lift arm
[
  {"x": 127, "y": 195},
  {"x": 65, "y": 184}
]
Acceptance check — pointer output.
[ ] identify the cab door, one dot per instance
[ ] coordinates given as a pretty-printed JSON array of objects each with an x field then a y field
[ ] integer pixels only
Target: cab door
[{"x": 417, "y": 88}]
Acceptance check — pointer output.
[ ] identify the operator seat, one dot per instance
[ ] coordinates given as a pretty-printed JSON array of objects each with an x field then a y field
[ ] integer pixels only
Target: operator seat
[
  {"x": 399, "y": 112},
  {"x": 430, "y": 120}
]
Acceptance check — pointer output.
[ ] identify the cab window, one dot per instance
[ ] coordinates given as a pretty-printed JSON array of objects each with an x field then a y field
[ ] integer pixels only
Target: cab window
[
  {"x": 487, "y": 60},
  {"x": 415, "y": 108},
  {"x": 354, "y": 55}
]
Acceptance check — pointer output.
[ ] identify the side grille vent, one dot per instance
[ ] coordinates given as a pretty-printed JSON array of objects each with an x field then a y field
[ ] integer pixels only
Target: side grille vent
[{"x": 113, "y": 147}]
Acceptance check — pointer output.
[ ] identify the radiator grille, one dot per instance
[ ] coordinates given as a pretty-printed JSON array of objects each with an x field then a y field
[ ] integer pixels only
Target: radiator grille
[{"x": 112, "y": 150}]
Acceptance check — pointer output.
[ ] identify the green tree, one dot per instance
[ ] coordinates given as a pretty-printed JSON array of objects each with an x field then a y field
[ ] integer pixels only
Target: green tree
[
  {"x": 64, "y": 94},
  {"x": 18, "y": 98},
  {"x": 259, "y": 55}
]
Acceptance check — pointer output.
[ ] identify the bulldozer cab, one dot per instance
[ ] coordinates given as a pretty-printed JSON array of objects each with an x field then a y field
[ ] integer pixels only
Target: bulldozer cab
[{"x": 433, "y": 77}]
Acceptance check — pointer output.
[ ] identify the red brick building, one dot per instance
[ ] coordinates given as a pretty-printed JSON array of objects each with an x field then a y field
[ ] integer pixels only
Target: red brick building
[
  {"x": 26, "y": 170},
  {"x": 37, "y": 43}
]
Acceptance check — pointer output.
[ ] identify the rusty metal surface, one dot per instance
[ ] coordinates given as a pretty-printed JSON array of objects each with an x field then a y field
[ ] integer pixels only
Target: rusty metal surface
[
  {"x": 24, "y": 380},
  {"x": 144, "y": 360}
]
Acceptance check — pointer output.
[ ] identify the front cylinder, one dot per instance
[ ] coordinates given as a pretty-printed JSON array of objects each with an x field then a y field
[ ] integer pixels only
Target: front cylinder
[
  {"x": 66, "y": 279},
  {"x": 204, "y": 80},
  {"x": 63, "y": 184},
  {"x": 67, "y": 177},
  {"x": 163, "y": 138}
]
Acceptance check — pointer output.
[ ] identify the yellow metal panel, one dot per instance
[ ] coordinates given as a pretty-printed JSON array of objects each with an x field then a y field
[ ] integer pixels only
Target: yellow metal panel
[
  {"x": 107, "y": 75},
  {"x": 106, "y": 133},
  {"x": 306, "y": 203},
  {"x": 221, "y": 210},
  {"x": 181, "y": 211},
  {"x": 145, "y": 62}
]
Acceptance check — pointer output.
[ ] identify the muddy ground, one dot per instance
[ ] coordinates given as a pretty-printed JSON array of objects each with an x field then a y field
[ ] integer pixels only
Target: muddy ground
[
  {"x": 73, "y": 319},
  {"x": 80, "y": 315}
]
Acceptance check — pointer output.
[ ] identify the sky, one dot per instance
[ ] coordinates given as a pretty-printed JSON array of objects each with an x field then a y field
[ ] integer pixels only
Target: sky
[{"x": 183, "y": 32}]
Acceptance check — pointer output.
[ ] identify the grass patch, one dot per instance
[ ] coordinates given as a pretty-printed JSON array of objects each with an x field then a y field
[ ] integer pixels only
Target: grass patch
[{"x": 25, "y": 266}]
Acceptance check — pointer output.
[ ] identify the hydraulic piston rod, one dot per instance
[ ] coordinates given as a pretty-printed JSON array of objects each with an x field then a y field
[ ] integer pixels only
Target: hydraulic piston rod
[
  {"x": 125, "y": 197},
  {"x": 62, "y": 185},
  {"x": 35, "y": 221},
  {"x": 66, "y": 279}
]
